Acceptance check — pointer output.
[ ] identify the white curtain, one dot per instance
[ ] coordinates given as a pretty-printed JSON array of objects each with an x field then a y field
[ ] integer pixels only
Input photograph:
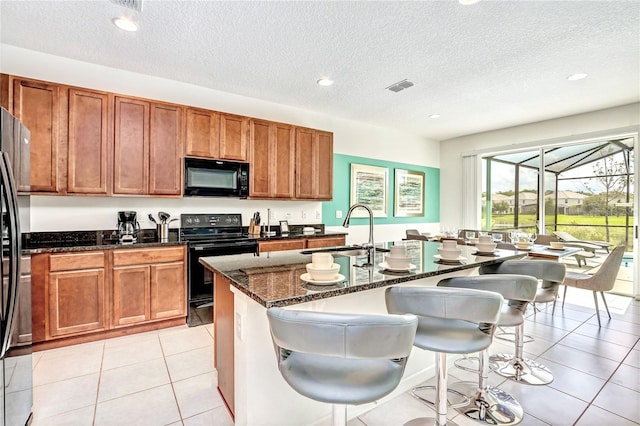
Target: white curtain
[{"x": 471, "y": 192}]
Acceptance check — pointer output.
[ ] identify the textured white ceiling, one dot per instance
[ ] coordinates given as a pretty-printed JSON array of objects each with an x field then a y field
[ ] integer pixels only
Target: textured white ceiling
[{"x": 491, "y": 65}]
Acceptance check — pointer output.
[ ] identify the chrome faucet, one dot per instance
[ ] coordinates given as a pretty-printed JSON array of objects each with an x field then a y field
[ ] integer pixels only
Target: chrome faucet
[{"x": 371, "y": 249}]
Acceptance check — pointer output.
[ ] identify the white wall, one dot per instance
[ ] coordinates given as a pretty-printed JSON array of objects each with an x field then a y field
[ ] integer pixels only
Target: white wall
[
  {"x": 85, "y": 213},
  {"x": 575, "y": 127}
]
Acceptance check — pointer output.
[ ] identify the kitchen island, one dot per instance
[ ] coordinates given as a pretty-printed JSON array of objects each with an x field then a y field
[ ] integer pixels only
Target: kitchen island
[{"x": 245, "y": 286}]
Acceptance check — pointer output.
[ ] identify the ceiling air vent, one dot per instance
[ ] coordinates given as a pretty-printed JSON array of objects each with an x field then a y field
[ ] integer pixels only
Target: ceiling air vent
[
  {"x": 399, "y": 86},
  {"x": 129, "y": 4}
]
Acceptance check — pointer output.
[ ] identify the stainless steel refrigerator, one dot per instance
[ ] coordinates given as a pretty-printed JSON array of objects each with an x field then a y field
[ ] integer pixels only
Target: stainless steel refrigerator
[{"x": 16, "y": 396}]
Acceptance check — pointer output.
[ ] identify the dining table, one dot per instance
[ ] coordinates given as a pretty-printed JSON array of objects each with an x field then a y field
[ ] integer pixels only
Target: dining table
[{"x": 547, "y": 252}]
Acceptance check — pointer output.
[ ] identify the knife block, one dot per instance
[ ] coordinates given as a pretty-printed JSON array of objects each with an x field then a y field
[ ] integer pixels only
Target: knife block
[{"x": 253, "y": 228}]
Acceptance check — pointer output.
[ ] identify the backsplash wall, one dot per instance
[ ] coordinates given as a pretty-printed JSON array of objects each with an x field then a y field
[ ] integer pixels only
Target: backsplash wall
[{"x": 50, "y": 213}]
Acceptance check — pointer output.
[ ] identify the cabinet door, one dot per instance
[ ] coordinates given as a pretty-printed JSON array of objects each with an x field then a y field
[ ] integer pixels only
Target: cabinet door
[
  {"x": 76, "y": 302},
  {"x": 234, "y": 133},
  {"x": 203, "y": 133},
  {"x": 168, "y": 290},
  {"x": 326, "y": 242},
  {"x": 165, "y": 150},
  {"x": 131, "y": 147},
  {"x": 88, "y": 148},
  {"x": 284, "y": 151},
  {"x": 39, "y": 107},
  {"x": 323, "y": 179},
  {"x": 131, "y": 295},
  {"x": 304, "y": 163},
  {"x": 260, "y": 154}
]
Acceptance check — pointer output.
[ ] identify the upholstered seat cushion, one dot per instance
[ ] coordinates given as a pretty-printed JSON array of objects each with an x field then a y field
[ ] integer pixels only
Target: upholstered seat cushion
[
  {"x": 450, "y": 336},
  {"x": 510, "y": 317},
  {"x": 338, "y": 380}
]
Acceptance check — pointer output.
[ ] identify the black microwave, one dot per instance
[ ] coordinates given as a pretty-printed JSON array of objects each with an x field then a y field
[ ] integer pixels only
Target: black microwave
[{"x": 215, "y": 178}]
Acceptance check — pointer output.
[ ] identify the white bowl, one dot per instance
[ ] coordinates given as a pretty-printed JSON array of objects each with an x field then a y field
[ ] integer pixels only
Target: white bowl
[
  {"x": 398, "y": 262},
  {"x": 321, "y": 260},
  {"x": 398, "y": 251},
  {"x": 523, "y": 245},
  {"x": 449, "y": 254},
  {"x": 556, "y": 245},
  {"x": 323, "y": 273},
  {"x": 486, "y": 247}
]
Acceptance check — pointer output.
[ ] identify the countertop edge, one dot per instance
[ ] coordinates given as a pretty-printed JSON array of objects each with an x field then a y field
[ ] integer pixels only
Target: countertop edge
[{"x": 229, "y": 274}]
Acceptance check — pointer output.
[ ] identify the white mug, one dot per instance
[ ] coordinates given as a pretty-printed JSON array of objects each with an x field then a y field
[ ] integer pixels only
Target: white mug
[
  {"x": 398, "y": 251},
  {"x": 449, "y": 244},
  {"x": 484, "y": 239},
  {"x": 322, "y": 260}
]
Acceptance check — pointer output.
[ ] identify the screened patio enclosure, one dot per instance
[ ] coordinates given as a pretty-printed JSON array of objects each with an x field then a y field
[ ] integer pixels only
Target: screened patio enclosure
[{"x": 587, "y": 191}]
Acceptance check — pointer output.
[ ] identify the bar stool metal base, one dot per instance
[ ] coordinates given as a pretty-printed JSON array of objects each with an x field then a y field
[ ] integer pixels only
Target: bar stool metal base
[
  {"x": 523, "y": 370},
  {"x": 427, "y": 421},
  {"x": 511, "y": 337},
  {"x": 472, "y": 364},
  {"x": 464, "y": 399},
  {"x": 496, "y": 407}
]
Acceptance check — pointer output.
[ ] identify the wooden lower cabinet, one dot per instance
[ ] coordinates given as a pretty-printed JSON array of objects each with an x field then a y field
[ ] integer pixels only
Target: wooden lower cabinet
[
  {"x": 76, "y": 294},
  {"x": 223, "y": 324},
  {"x": 326, "y": 242},
  {"x": 300, "y": 244},
  {"x": 148, "y": 284},
  {"x": 95, "y": 293}
]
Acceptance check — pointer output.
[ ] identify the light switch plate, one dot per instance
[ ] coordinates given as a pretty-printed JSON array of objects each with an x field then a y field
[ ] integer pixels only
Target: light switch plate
[{"x": 338, "y": 214}]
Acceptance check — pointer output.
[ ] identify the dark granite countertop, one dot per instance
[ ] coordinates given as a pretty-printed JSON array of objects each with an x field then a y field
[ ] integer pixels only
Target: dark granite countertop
[
  {"x": 273, "y": 279},
  {"x": 59, "y": 242}
]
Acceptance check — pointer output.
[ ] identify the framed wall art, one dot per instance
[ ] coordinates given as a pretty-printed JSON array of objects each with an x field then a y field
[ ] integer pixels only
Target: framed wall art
[
  {"x": 369, "y": 186},
  {"x": 409, "y": 193}
]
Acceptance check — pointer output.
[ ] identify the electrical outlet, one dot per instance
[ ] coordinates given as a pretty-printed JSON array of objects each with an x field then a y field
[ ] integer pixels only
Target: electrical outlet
[
  {"x": 338, "y": 214},
  {"x": 239, "y": 325},
  {"x": 287, "y": 215},
  {"x": 318, "y": 214},
  {"x": 272, "y": 215},
  {"x": 304, "y": 214}
]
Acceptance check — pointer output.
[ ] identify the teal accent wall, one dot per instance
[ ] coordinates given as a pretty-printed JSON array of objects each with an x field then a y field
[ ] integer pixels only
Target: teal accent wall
[{"x": 342, "y": 189}]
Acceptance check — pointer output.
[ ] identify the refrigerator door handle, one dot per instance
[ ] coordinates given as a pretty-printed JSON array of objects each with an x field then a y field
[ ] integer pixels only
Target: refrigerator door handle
[{"x": 9, "y": 194}]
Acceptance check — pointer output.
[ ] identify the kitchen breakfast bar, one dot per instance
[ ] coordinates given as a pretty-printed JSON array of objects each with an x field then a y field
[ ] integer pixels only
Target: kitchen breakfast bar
[{"x": 246, "y": 285}]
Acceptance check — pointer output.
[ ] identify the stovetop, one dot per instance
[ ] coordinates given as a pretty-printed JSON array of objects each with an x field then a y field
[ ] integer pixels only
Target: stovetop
[{"x": 211, "y": 227}]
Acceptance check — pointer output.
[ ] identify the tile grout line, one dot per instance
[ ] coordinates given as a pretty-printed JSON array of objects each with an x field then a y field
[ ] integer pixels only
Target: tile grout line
[{"x": 173, "y": 390}]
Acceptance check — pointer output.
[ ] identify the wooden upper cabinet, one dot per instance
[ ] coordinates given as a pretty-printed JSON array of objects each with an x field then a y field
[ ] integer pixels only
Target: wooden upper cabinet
[
  {"x": 131, "y": 146},
  {"x": 304, "y": 163},
  {"x": 88, "y": 150},
  {"x": 165, "y": 150},
  {"x": 260, "y": 159},
  {"x": 234, "y": 135},
  {"x": 203, "y": 133},
  {"x": 211, "y": 134},
  {"x": 272, "y": 159},
  {"x": 314, "y": 164},
  {"x": 324, "y": 165},
  {"x": 40, "y": 107}
]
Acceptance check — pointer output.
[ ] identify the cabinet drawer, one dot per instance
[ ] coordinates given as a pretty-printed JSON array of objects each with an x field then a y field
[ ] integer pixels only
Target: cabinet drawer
[
  {"x": 325, "y": 242},
  {"x": 146, "y": 256},
  {"x": 73, "y": 261},
  {"x": 281, "y": 245}
]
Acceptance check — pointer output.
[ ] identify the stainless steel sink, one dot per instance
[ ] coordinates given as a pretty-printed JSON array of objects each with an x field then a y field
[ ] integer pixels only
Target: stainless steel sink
[{"x": 347, "y": 253}]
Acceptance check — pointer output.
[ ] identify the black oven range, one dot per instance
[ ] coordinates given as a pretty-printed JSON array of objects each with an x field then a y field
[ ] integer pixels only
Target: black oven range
[{"x": 209, "y": 235}]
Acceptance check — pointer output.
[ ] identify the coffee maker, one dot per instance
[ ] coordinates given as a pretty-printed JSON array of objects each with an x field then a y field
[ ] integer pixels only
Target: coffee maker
[{"x": 128, "y": 227}]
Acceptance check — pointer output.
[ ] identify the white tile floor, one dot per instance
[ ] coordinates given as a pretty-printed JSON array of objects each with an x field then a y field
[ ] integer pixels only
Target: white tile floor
[{"x": 167, "y": 377}]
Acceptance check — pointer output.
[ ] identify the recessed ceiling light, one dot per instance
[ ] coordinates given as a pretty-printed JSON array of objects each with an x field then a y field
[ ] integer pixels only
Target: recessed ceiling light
[
  {"x": 125, "y": 24},
  {"x": 468, "y": 2},
  {"x": 325, "y": 82},
  {"x": 434, "y": 116},
  {"x": 574, "y": 77}
]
